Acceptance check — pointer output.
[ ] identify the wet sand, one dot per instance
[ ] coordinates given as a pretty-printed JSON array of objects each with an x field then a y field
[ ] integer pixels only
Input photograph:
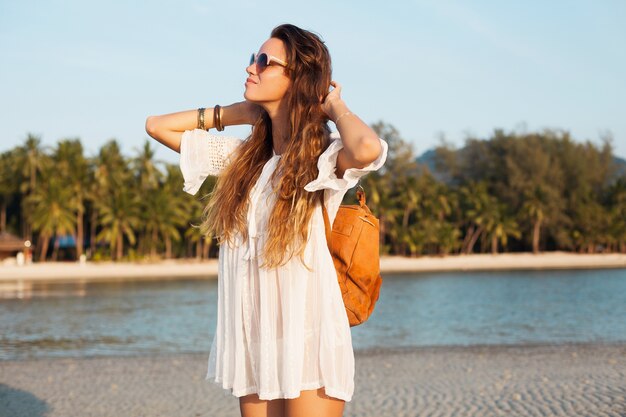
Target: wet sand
[{"x": 540, "y": 380}]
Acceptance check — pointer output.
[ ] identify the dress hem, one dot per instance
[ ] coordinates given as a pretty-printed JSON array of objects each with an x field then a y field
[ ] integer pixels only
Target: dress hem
[{"x": 331, "y": 392}]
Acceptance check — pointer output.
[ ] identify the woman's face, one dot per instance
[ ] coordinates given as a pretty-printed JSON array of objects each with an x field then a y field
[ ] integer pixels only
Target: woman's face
[{"x": 272, "y": 83}]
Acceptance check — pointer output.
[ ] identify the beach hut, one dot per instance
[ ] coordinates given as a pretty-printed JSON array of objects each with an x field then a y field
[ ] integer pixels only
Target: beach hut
[{"x": 10, "y": 245}]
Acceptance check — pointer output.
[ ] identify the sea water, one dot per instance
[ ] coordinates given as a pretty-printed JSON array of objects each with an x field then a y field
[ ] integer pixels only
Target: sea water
[{"x": 419, "y": 309}]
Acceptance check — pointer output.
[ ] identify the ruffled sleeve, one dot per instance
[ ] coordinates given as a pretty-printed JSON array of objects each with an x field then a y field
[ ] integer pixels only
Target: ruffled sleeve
[
  {"x": 203, "y": 154},
  {"x": 327, "y": 165},
  {"x": 335, "y": 188}
]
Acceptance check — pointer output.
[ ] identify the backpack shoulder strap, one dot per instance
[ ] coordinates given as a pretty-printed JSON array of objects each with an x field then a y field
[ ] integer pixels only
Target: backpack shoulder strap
[{"x": 326, "y": 220}]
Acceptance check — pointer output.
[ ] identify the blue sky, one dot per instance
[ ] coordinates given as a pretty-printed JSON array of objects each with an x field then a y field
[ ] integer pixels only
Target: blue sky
[{"x": 96, "y": 70}]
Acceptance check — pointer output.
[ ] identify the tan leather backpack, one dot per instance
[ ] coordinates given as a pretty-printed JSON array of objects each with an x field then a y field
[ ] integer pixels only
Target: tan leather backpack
[{"x": 354, "y": 246}]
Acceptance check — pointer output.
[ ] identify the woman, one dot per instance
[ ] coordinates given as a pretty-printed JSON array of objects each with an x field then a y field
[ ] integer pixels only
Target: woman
[{"x": 282, "y": 342}]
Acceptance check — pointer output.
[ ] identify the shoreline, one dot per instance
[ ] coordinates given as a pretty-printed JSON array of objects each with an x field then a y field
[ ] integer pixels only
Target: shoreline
[
  {"x": 484, "y": 348},
  {"x": 69, "y": 272},
  {"x": 484, "y": 380}
]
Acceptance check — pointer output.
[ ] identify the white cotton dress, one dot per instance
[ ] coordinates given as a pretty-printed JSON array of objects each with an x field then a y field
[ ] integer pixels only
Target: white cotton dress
[{"x": 281, "y": 330}]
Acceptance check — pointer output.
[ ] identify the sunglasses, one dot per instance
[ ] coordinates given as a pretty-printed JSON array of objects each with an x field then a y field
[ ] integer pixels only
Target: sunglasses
[{"x": 264, "y": 60}]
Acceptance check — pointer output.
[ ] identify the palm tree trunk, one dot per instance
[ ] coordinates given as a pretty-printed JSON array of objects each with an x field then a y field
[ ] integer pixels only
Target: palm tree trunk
[
  {"x": 79, "y": 234},
  {"x": 33, "y": 183},
  {"x": 382, "y": 228},
  {"x": 120, "y": 247},
  {"x": 536, "y": 234},
  {"x": 168, "y": 247},
  {"x": 205, "y": 250},
  {"x": 27, "y": 229},
  {"x": 153, "y": 243},
  {"x": 92, "y": 242},
  {"x": 55, "y": 252},
  {"x": 3, "y": 216},
  {"x": 405, "y": 217},
  {"x": 468, "y": 236},
  {"x": 474, "y": 238},
  {"x": 494, "y": 244},
  {"x": 141, "y": 243},
  {"x": 44, "y": 248}
]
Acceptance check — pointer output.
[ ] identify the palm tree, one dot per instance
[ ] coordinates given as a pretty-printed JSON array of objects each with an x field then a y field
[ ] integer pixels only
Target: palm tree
[
  {"x": 53, "y": 213},
  {"x": 8, "y": 185},
  {"x": 385, "y": 187},
  {"x": 193, "y": 208},
  {"x": 119, "y": 217},
  {"x": 172, "y": 212},
  {"x": 540, "y": 206},
  {"x": 616, "y": 202},
  {"x": 163, "y": 214},
  {"x": 115, "y": 199},
  {"x": 500, "y": 226},
  {"x": 434, "y": 233},
  {"x": 476, "y": 203},
  {"x": 202, "y": 243},
  {"x": 111, "y": 170},
  {"x": 73, "y": 168},
  {"x": 148, "y": 179},
  {"x": 447, "y": 237},
  {"x": 145, "y": 167},
  {"x": 592, "y": 225},
  {"x": 30, "y": 161}
]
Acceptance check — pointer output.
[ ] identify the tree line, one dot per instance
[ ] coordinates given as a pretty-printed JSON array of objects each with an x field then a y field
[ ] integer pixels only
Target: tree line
[
  {"x": 538, "y": 191},
  {"x": 509, "y": 192}
]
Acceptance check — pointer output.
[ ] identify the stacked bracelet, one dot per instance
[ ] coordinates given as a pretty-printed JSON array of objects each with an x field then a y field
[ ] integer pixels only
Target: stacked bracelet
[
  {"x": 217, "y": 117},
  {"x": 201, "y": 118},
  {"x": 343, "y": 114}
]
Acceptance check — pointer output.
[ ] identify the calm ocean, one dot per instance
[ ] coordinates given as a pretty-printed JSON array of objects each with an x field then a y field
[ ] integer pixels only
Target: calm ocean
[{"x": 425, "y": 309}]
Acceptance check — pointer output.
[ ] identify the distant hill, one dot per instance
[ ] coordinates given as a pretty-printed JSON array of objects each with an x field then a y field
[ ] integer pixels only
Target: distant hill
[
  {"x": 621, "y": 166},
  {"x": 428, "y": 159}
]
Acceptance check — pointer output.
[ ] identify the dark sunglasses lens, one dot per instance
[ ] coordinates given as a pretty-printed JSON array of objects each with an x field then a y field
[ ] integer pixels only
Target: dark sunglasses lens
[
  {"x": 262, "y": 61},
  {"x": 251, "y": 59}
]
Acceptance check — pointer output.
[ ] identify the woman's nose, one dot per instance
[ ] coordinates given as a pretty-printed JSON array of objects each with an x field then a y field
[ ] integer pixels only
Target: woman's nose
[{"x": 250, "y": 69}]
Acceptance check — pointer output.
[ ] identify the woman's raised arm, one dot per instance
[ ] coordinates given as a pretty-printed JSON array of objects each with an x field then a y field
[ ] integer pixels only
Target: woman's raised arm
[{"x": 168, "y": 128}]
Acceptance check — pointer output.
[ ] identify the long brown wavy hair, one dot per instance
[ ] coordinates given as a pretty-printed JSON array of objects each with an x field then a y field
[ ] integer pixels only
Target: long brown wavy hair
[{"x": 309, "y": 68}]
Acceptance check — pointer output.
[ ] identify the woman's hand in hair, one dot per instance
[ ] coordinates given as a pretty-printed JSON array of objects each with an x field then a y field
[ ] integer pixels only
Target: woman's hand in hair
[
  {"x": 332, "y": 100},
  {"x": 361, "y": 144}
]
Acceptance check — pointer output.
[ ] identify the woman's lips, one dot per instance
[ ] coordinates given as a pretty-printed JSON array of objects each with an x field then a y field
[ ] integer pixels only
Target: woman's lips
[{"x": 250, "y": 80}]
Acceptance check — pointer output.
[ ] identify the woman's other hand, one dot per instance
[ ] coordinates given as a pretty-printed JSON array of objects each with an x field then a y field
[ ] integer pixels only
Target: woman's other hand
[{"x": 332, "y": 101}]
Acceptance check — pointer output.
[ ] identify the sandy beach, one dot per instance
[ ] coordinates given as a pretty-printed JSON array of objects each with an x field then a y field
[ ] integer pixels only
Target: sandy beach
[
  {"x": 540, "y": 380},
  {"x": 11, "y": 275}
]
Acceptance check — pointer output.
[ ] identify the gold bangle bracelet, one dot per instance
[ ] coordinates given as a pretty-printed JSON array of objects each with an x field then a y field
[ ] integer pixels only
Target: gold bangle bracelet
[{"x": 201, "y": 118}]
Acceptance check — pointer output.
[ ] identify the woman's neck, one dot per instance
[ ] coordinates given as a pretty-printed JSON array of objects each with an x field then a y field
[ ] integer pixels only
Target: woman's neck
[{"x": 280, "y": 126}]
